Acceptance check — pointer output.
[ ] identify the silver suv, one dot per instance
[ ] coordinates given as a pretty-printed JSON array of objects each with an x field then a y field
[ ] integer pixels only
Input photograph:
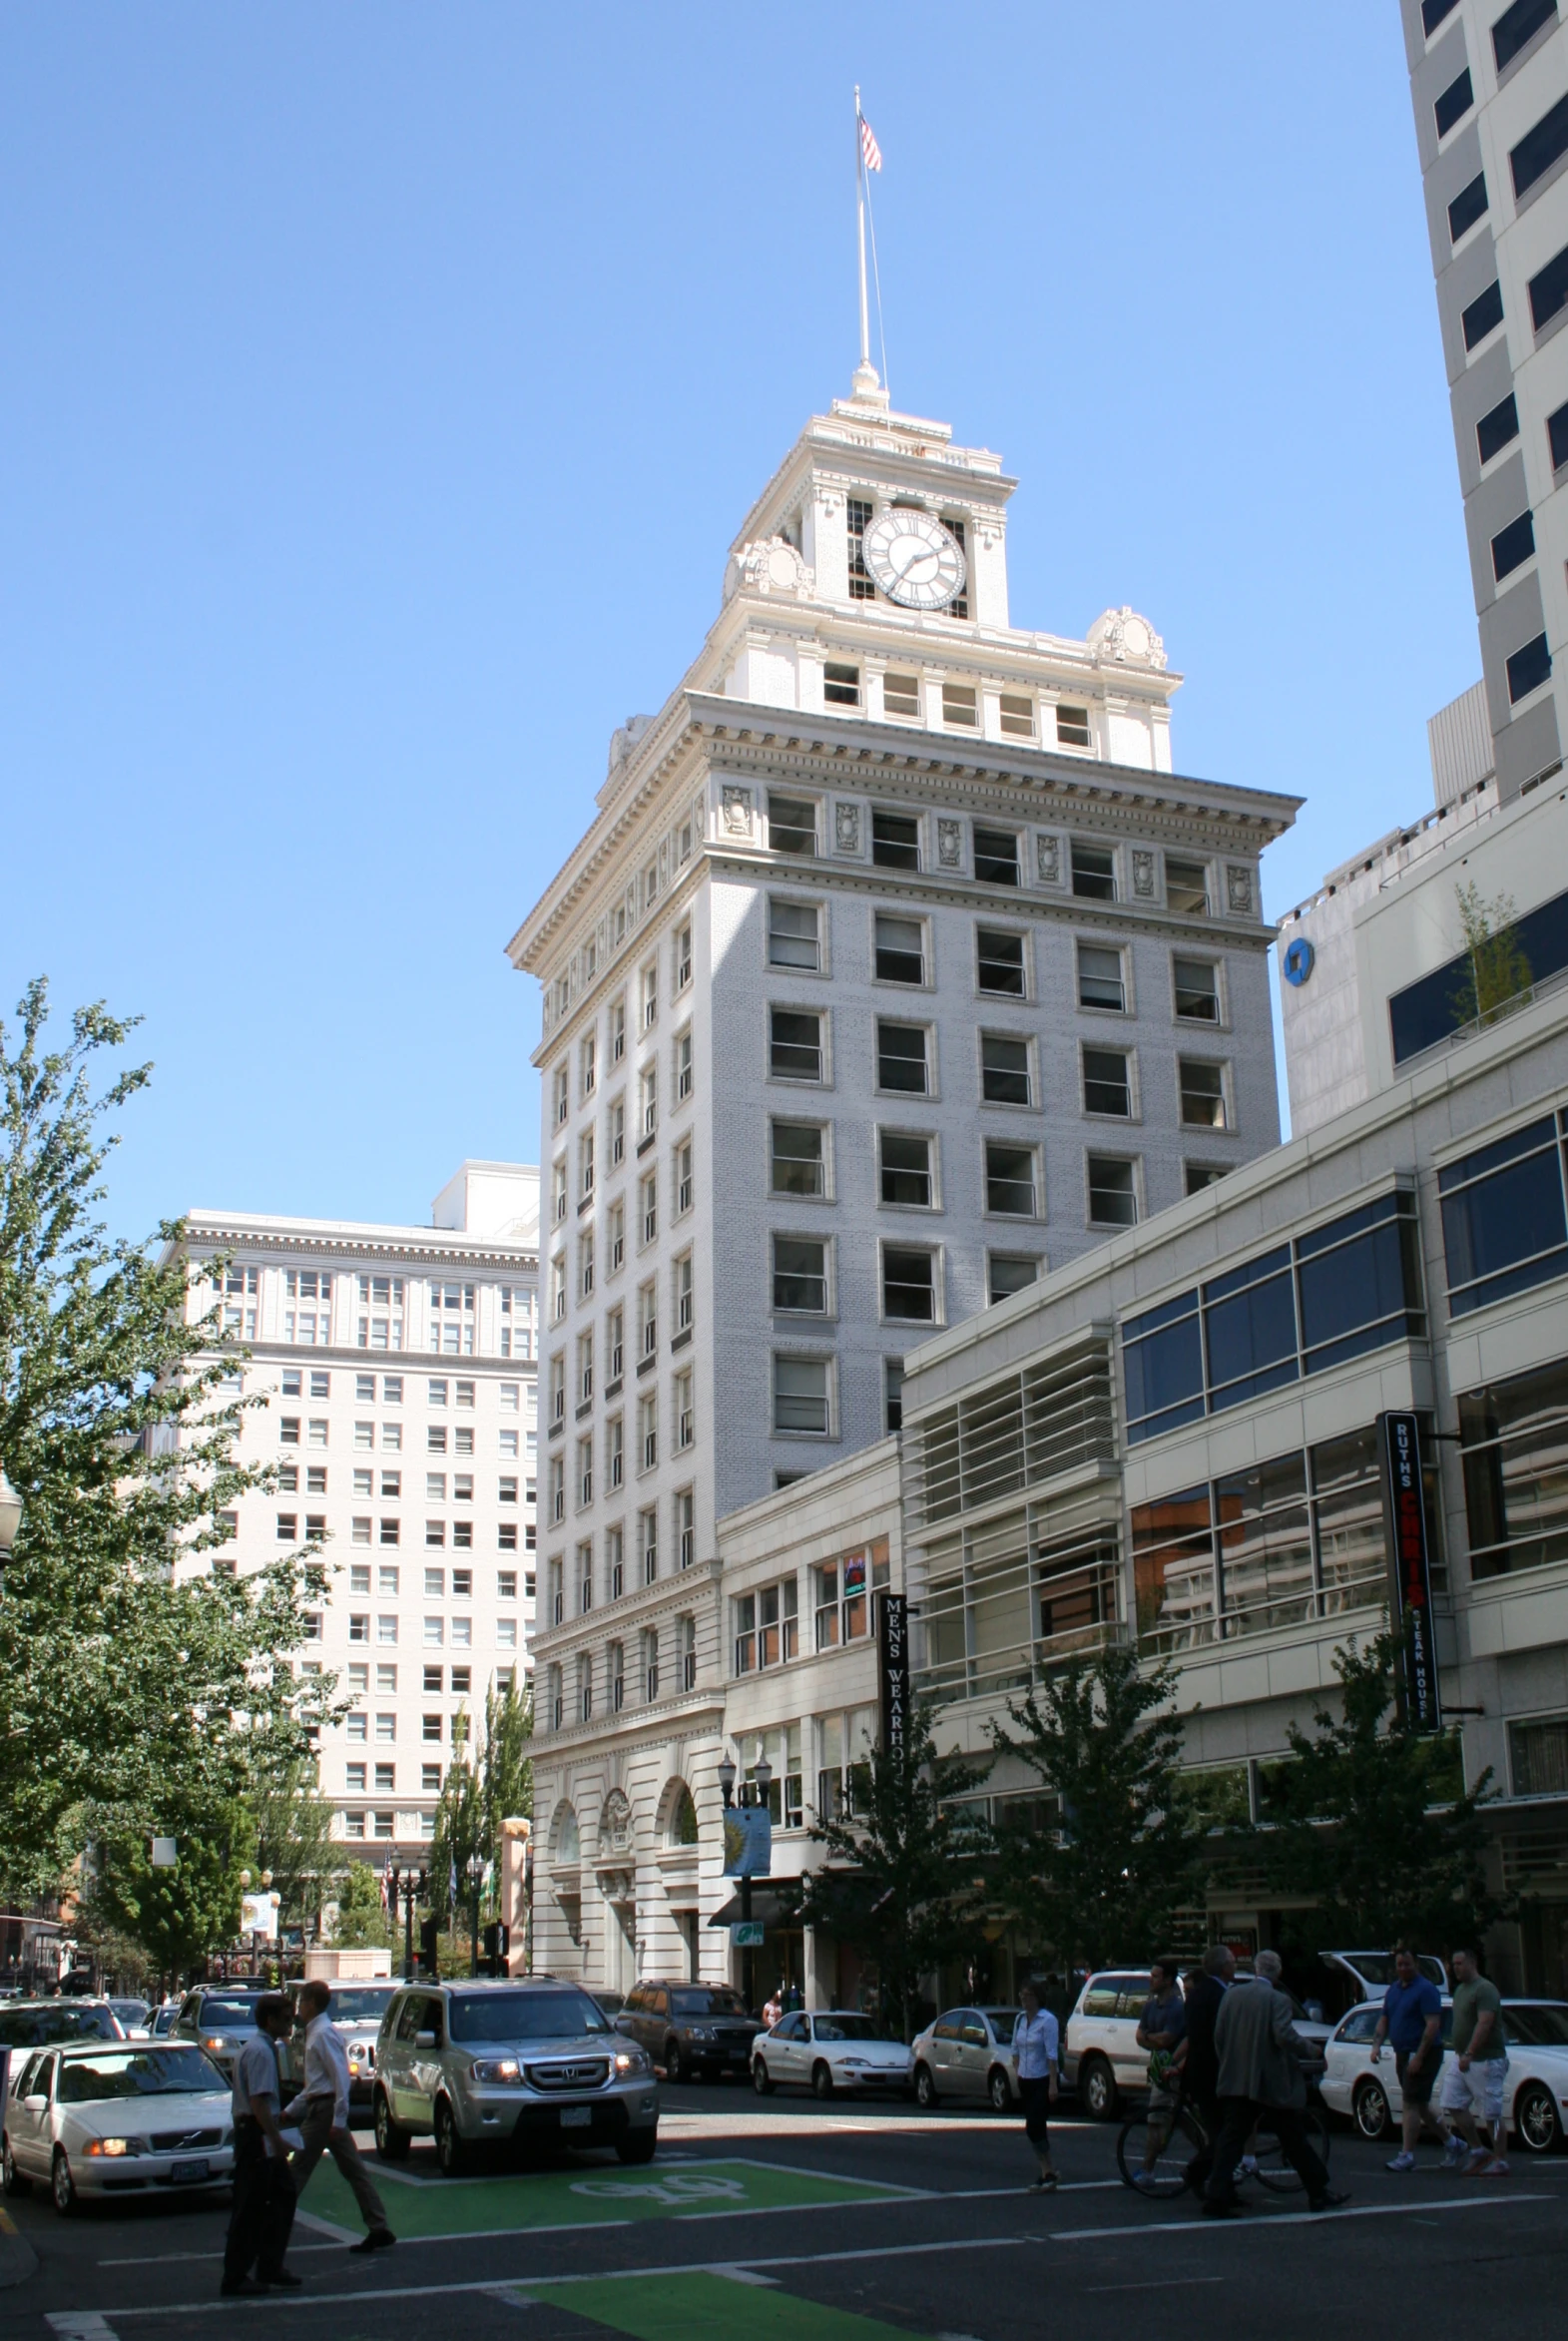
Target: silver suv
[{"x": 532, "y": 2061}]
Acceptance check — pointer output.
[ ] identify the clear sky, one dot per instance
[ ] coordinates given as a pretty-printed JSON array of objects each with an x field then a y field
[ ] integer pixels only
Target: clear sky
[{"x": 382, "y": 388}]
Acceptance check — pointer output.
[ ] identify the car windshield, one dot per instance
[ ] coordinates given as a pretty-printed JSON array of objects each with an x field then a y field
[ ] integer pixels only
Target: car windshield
[
  {"x": 358, "y": 2006},
  {"x": 231, "y": 2015},
  {"x": 850, "y": 2027},
  {"x": 130, "y": 2011},
  {"x": 1537, "y": 2026},
  {"x": 137, "y": 2073},
  {"x": 525, "y": 2016},
  {"x": 707, "y": 2003},
  {"x": 35, "y": 2028}
]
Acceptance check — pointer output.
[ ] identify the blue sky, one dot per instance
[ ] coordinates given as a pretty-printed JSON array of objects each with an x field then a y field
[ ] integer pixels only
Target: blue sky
[{"x": 384, "y": 386}]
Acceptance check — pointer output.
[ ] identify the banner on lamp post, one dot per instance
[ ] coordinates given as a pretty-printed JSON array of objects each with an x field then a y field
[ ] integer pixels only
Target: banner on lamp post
[
  {"x": 892, "y": 1635},
  {"x": 748, "y": 1841}
]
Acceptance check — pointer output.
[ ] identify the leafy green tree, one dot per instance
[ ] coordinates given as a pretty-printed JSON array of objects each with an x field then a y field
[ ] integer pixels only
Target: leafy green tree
[
  {"x": 1497, "y": 968},
  {"x": 903, "y": 1881},
  {"x": 177, "y": 1916},
  {"x": 361, "y": 1922},
  {"x": 134, "y": 1693},
  {"x": 1118, "y": 1850},
  {"x": 459, "y": 1832},
  {"x": 506, "y": 1773},
  {"x": 294, "y": 1842},
  {"x": 1371, "y": 1820}
]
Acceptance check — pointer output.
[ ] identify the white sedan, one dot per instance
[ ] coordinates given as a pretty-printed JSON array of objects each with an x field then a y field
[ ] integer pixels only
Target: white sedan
[
  {"x": 1536, "y": 2086},
  {"x": 831, "y": 2048},
  {"x": 95, "y": 2119}
]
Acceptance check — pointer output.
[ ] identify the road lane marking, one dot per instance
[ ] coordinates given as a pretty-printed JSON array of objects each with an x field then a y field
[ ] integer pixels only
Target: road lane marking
[
  {"x": 1203, "y": 2226},
  {"x": 1157, "y": 2284},
  {"x": 80, "y": 2325}
]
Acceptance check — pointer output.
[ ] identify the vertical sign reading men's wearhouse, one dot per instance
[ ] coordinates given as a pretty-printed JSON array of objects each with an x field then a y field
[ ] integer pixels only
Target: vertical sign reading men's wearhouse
[
  {"x": 893, "y": 1653},
  {"x": 1409, "y": 1567}
]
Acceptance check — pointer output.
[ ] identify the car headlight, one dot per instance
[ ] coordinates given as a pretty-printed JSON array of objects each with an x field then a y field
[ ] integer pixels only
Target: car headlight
[
  {"x": 700, "y": 2032},
  {"x": 504, "y": 2069},
  {"x": 115, "y": 2146},
  {"x": 632, "y": 2061},
  {"x": 215, "y": 2041},
  {"x": 861, "y": 2064}
]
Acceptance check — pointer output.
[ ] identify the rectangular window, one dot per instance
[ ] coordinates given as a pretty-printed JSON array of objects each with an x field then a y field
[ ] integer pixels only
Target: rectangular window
[
  {"x": 907, "y": 1169},
  {"x": 1528, "y": 668},
  {"x": 1113, "y": 1196},
  {"x": 1094, "y": 872},
  {"x": 901, "y": 697},
  {"x": 685, "y": 1413},
  {"x": 614, "y": 1452},
  {"x": 391, "y": 1532},
  {"x": 683, "y": 1066},
  {"x": 648, "y": 1317},
  {"x": 1538, "y": 1757},
  {"x": 648, "y": 1431},
  {"x": 1196, "y": 1176},
  {"x": 858, "y": 515},
  {"x": 1454, "y": 104},
  {"x": 1100, "y": 979},
  {"x": 795, "y": 1046},
  {"x": 1506, "y": 1219},
  {"x": 1513, "y": 546},
  {"x": 647, "y": 1099},
  {"x": 960, "y": 706},
  {"x": 840, "y": 684},
  {"x": 801, "y": 1394},
  {"x": 1009, "y": 1179},
  {"x": 1499, "y": 427},
  {"x": 1017, "y": 716},
  {"x": 1007, "y": 1273},
  {"x": 995, "y": 856},
  {"x": 1484, "y": 317},
  {"x": 682, "y": 1293},
  {"x": 682, "y": 957},
  {"x": 899, "y": 948},
  {"x": 1517, "y": 26},
  {"x": 999, "y": 962},
  {"x": 650, "y": 988},
  {"x": 613, "y": 1334},
  {"x": 563, "y": 1093},
  {"x": 685, "y": 1528},
  {"x": 1514, "y": 1450},
  {"x": 794, "y": 934},
  {"x": 1198, "y": 991},
  {"x": 792, "y": 824},
  {"x": 1107, "y": 1082},
  {"x": 1187, "y": 887},
  {"x": 1072, "y": 727},
  {"x": 682, "y": 1177},
  {"x": 1266, "y": 1549},
  {"x": 798, "y": 1162},
  {"x": 896, "y": 840},
  {"x": 893, "y": 1394},
  {"x": 615, "y": 1230},
  {"x": 1468, "y": 206},
  {"x": 901, "y": 1058},
  {"x": 1434, "y": 13},
  {"x": 1549, "y": 290},
  {"x": 585, "y": 1266},
  {"x": 1004, "y": 1069},
  {"x": 799, "y": 1275},
  {"x": 648, "y": 1206},
  {"x": 648, "y": 1545},
  {"x": 1173, "y": 1572},
  {"x": 617, "y": 1031},
  {"x": 909, "y": 1285},
  {"x": 615, "y": 1559},
  {"x": 1200, "y": 1085}
]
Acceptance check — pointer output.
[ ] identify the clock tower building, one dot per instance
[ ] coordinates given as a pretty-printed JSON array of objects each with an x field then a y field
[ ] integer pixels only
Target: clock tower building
[{"x": 896, "y": 962}]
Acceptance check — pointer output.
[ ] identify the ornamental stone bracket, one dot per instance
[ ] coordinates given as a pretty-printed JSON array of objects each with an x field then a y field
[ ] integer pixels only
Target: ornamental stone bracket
[
  {"x": 771, "y": 568},
  {"x": 846, "y": 828},
  {"x": 949, "y": 844},
  {"x": 734, "y": 805},
  {"x": 1047, "y": 859},
  {"x": 1239, "y": 889},
  {"x": 1122, "y": 638}
]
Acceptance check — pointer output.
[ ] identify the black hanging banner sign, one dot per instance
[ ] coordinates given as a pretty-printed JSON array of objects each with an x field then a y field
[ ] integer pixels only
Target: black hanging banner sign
[
  {"x": 893, "y": 1655},
  {"x": 1409, "y": 1567}
]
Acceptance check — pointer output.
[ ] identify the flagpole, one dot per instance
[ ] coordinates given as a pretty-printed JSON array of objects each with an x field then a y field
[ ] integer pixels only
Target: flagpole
[{"x": 859, "y": 197}]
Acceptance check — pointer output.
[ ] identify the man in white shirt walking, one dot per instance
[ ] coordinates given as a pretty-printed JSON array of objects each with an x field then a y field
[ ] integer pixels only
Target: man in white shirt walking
[
  {"x": 1036, "y": 2040},
  {"x": 321, "y": 2112}
]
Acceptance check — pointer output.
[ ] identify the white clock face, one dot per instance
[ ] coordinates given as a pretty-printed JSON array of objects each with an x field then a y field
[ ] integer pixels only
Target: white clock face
[{"x": 914, "y": 559}]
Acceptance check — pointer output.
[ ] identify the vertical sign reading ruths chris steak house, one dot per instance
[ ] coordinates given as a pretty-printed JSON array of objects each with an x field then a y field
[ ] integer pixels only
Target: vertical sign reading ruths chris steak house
[{"x": 1409, "y": 1567}]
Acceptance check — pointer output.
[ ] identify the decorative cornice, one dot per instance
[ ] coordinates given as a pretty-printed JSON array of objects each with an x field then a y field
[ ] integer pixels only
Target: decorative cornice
[{"x": 217, "y": 1231}]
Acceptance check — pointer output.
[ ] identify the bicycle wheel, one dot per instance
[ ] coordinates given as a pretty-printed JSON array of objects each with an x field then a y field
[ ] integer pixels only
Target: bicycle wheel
[
  {"x": 1166, "y": 2174},
  {"x": 1274, "y": 2171}
]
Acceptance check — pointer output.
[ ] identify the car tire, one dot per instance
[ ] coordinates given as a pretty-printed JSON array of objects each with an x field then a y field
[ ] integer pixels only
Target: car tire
[
  {"x": 451, "y": 2154},
  {"x": 62, "y": 2187},
  {"x": 1370, "y": 2109},
  {"x": 822, "y": 2081},
  {"x": 641, "y": 2147},
  {"x": 392, "y": 2140},
  {"x": 925, "y": 2088},
  {"x": 10, "y": 2177},
  {"x": 675, "y": 2069},
  {"x": 762, "y": 2080},
  {"x": 1000, "y": 2091},
  {"x": 1098, "y": 2094},
  {"x": 1536, "y": 2127}
]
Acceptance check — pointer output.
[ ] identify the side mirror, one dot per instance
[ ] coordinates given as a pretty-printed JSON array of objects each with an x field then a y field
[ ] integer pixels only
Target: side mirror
[
  {"x": 424, "y": 2040},
  {"x": 35, "y": 2105}
]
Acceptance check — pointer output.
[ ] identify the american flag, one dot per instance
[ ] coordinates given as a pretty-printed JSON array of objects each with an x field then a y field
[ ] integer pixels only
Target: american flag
[{"x": 868, "y": 146}]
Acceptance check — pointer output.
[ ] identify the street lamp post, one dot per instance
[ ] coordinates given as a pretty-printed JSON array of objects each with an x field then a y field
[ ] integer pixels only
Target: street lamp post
[
  {"x": 762, "y": 1777},
  {"x": 10, "y": 1517},
  {"x": 476, "y": 1874}
]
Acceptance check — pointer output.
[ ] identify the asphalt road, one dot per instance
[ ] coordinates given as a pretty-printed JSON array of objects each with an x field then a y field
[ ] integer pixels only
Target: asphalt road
[{"x": 783, "y": 2221}]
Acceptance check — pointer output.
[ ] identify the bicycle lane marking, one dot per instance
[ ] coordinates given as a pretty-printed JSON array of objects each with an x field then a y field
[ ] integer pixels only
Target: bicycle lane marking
[
  {"x": 1254, "y": 2223},
  {"x": 671, "y": 2308}
]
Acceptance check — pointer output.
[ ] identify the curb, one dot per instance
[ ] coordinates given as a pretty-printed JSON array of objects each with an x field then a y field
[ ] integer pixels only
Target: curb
[{"x": 18, "y": 2260}]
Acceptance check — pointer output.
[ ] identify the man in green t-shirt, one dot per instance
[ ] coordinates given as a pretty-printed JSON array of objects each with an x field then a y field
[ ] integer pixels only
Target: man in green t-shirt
[{"x": 1474, "y": 2074}]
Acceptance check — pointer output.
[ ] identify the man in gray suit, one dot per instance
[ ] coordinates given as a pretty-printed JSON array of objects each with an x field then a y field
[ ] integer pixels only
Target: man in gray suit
[{"x": 1260, "y": 2079}]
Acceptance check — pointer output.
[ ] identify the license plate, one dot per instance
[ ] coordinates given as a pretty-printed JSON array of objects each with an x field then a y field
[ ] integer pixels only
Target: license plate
[
  {"x": 188, "y": 2173},
  {"x": 577, "y": 2117}
]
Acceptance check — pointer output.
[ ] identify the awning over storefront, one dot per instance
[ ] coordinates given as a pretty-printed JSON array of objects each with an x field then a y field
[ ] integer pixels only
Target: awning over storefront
[{"x": 768, "y": 1904}]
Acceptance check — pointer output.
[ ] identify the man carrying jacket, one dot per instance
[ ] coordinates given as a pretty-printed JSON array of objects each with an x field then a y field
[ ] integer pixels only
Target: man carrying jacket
[{"x": 1260, "y": 2079}]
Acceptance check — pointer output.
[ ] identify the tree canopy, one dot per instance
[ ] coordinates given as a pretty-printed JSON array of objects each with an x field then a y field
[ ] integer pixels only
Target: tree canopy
[{"x": 142, "y": 1689}]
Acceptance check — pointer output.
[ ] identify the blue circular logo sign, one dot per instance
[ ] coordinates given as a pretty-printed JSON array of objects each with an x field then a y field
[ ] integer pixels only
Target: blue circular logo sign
[{"x": 1298, "y": 960}]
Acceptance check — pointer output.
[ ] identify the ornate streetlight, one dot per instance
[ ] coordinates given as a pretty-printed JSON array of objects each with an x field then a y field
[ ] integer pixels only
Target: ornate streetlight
[
  {"x": 476, "y": 1874},
  {"x": 10, "y": 1517}
]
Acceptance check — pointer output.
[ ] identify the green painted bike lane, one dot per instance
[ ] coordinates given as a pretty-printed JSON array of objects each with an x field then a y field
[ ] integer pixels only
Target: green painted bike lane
[
  {"x": 670, "y": 2308},
  {"x": 582, "y": 2197}
]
